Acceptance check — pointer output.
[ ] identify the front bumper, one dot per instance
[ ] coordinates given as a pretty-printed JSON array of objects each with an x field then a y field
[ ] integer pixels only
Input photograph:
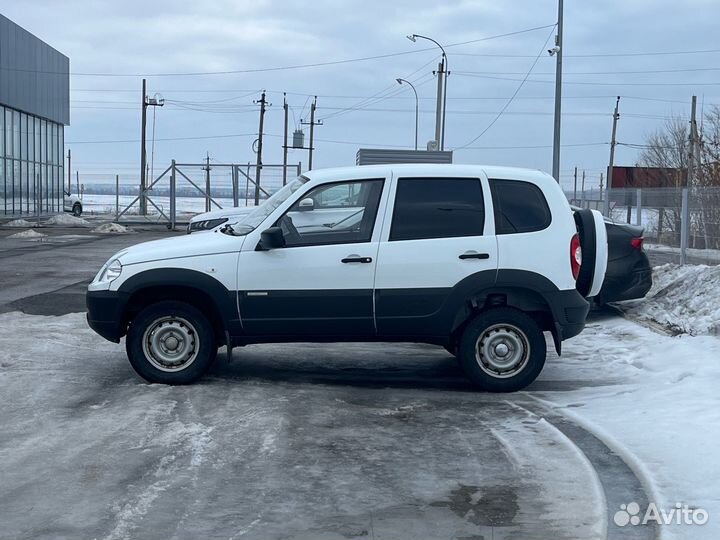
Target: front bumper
[{"x": 105, "y": 313}]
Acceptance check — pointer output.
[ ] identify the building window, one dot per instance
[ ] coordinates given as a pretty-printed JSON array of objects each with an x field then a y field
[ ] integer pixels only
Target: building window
[{"x": 31, "y": 164}]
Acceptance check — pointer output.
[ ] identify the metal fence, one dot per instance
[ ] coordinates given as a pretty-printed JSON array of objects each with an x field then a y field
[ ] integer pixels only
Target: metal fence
[
  {"x": 185, "y": 189},
  {"x": 683, "y": 224}
]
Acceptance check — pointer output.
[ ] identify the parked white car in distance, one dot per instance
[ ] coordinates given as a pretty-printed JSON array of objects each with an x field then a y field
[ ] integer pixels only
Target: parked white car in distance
[
  {"x": 210, "y": 220},
  {"x": 72, "y": 204}
]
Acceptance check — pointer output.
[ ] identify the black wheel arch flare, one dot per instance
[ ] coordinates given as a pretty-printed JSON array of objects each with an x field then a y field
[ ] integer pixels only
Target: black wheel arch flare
[{"x": 205, "y": 292}]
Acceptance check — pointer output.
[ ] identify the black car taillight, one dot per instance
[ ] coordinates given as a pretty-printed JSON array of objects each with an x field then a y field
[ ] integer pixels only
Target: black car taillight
[{"x": 637, "y": 243}]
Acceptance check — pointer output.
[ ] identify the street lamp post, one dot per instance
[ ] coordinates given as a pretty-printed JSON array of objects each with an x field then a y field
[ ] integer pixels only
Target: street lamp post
[
  {"x": 442, "y": 89},
  {"x": 400, "y": 81}
]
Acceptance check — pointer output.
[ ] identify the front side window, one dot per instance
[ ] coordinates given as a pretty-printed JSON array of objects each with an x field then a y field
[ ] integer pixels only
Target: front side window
[
  {"x": 249, "y": 222},
  {"x": 437, "y": 208},
  {"x": 355, "y": 205},
  {"x": 519, "y": 207}
]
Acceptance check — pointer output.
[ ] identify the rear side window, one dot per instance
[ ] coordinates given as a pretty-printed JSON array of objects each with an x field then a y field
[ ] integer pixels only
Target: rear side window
[
  {"x": 519, "y": 207},
  {"x": 437, "y": 208}
]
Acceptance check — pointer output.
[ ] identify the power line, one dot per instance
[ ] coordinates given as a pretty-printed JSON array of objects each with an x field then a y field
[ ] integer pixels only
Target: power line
[
  {"x": 595, "y": 55},
  {"x": 638, "y": 72},
  {"x": 517, "y": 90},
  {"x": 591, "y": 83},
  {"x": 277, "y": 68},
  {"x": 164, "y": 139}
]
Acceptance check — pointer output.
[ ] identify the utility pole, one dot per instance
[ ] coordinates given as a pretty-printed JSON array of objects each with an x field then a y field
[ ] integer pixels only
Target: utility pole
[
  {"x": 444, "y": 104},
  {"x": 601, "y": 185},
  {"x": 258, "y": 165},
  {"x": 438, "y": 107},
  {"x": 312, "y": 125},
  {"x": 69, "y": 174},
  {"x": 692, "y": 146},
  {"x": 616, "y": 117},
  {"x": 583, "y": 186},
  {"x": 143, "y": 157},
  {"x": 206, "y": 168},
  {"x": 558, "y": 93},
  {"x": 575, "y": 187},
  {"x": 146, "y": 102},
  {"x": 285, "y": 140}
]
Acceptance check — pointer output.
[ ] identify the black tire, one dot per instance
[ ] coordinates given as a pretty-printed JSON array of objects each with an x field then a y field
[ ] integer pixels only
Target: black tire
[
  {"x": 77, "y": 210},
  {"x": 170, "y": 318},
  {"x": 516, "y": 331}
]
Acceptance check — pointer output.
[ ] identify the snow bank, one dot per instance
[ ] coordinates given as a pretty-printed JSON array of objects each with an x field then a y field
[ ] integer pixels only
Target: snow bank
[
  {"x": 21, "y": 223},
  {"x": 112, "y": 228},
  {"x": 656, "y": 398},
  {"x": 64, "y": 220},
  {"x": 28, "y": 235},
  {"x": 683, "y": 299}
]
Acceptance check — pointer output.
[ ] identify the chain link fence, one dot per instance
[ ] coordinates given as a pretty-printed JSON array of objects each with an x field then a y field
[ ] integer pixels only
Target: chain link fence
[{"x": 681, "y": 224}]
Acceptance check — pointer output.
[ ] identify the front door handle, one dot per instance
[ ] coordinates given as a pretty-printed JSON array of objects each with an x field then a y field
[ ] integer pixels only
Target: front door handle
[
  {"x": 474, "y": 255},
  {"x": 356, "y": 259}
]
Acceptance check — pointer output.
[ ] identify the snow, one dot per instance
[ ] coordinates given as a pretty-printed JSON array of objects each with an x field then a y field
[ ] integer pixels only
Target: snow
[
  {"x": 659, "y": 409},
  {"x": 21, "y": 223},
  {"x": 683, "y": 299},
  {"x": 28, "y": 235},
  {"x": 112, "y": 228},
  {"x": 650, "y": 397},
  {"x": 65, "y": 220}
]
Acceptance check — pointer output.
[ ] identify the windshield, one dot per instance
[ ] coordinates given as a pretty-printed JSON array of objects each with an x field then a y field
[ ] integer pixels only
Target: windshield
[{"x": 249, "y": 222}]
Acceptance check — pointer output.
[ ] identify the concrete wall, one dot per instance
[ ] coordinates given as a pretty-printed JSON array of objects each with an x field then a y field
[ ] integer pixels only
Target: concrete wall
[{"x": 34, "y": 77}]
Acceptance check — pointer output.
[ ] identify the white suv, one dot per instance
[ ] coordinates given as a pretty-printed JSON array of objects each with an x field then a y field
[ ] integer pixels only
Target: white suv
[{"x": 480, "y": 260}]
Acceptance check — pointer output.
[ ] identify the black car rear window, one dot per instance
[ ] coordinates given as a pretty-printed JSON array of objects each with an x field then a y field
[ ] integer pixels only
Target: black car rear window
[{"x": 519, "y": 207}]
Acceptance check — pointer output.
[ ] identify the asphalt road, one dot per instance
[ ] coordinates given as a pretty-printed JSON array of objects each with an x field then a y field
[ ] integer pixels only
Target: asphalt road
[{"x": 286, "y": 441}]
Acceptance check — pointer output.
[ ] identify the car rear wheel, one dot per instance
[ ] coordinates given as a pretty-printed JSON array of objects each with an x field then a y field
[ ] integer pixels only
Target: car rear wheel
[
  {"x": 170, "y": 343},
  {"x": 77, "y": 210},
  {"x": 502, "y": 350}
]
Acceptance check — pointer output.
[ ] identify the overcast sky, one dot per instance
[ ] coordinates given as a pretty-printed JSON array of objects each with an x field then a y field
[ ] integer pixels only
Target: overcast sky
[{"x": 173, "y": 37}]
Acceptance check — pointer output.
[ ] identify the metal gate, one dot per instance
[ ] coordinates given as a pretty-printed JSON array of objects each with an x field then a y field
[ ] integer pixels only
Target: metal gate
[{"x": 186, "y": 189}]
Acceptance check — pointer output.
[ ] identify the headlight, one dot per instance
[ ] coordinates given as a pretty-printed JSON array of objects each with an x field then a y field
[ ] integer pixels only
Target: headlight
[
  {"x": 207, "y": 224},
  {"x": 110, "y": 272}
]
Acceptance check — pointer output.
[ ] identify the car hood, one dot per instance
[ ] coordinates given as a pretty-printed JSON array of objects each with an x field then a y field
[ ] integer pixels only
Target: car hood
[
  {"x": 223, "y": 213},
  {"x": 181, "y": 246}
]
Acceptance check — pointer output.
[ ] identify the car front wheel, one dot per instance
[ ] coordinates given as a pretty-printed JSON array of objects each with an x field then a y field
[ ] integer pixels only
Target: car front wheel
[
  {"x": 77, "y": 210},
  {"x": 502, "y": 350},
  {"x": 170, "y": 343}
]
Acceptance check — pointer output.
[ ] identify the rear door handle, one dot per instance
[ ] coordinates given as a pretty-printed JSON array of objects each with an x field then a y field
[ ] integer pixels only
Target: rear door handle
[
  {"x": 356, "y": 259},
  {"x": 473, "y": 255}
]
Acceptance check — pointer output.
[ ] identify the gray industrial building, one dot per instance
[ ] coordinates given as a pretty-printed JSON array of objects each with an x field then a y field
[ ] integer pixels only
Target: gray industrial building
[{"x": 34, "y": 110}]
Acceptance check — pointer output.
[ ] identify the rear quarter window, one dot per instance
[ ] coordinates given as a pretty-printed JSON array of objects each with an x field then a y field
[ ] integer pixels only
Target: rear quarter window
[{"x": 519, "y": 207}]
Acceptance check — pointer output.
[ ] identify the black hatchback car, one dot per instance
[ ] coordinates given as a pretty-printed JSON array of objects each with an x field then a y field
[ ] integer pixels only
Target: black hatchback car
[{"x": 628, "y": 273}]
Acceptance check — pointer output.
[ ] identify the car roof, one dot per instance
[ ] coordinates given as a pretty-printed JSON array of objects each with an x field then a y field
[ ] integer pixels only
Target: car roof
[{"x": 425, "y": 169}]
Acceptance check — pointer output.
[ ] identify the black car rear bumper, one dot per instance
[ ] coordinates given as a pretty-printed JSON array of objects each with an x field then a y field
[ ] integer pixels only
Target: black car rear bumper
[{"x": 634, "y": 284}]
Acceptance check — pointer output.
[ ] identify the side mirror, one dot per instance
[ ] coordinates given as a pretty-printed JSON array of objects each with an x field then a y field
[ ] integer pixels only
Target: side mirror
[
  {"x": 271, "y": 238},
  {"x": 306, "y": 205}
]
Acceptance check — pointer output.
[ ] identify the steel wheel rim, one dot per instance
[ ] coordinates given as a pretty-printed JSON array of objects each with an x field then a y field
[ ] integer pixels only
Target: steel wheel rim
[
  {"x": 171, "y": 343},
  {"x": 502, "y": 350}
]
